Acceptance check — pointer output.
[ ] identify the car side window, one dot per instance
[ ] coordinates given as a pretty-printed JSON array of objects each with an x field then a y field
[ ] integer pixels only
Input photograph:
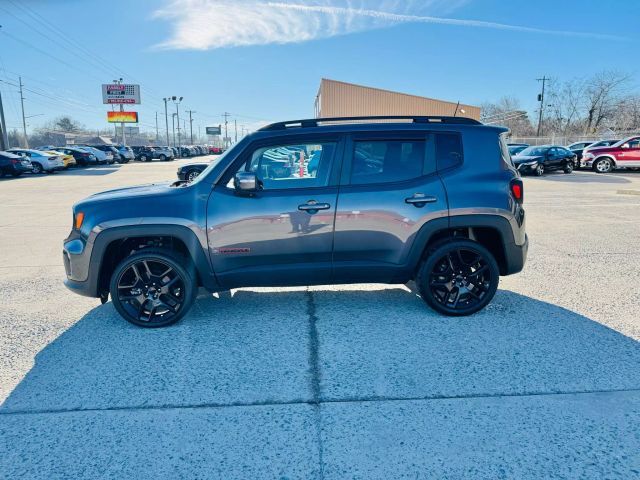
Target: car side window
[
  {"x": 304, "y": 165},
  {"x": 635, "y": 143},
  {"x": 448, "y": 150},
  {"x": 386, "y": 161}
]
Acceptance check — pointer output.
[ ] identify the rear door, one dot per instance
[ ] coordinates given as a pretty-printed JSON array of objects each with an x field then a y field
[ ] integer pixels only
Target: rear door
[
  {"x": 283, "y": 233},
  {"x": 389, "y": 189}
]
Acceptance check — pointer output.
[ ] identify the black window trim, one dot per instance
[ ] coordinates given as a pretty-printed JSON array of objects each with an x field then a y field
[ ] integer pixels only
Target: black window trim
[
  {"x": 308, "y": 139},
  {"x": 396, "y": 135}
]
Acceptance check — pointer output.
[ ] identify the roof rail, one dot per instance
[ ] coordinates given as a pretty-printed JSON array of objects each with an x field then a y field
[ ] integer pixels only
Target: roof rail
[{"x": 314, "y": 122}]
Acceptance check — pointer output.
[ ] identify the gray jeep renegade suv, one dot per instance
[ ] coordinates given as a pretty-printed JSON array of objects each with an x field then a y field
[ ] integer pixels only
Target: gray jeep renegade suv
[{"x": 436, "y": 200}]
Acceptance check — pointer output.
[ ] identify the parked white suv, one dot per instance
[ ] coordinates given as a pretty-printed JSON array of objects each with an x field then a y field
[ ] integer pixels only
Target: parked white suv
[{"x": 41, "y": 161}]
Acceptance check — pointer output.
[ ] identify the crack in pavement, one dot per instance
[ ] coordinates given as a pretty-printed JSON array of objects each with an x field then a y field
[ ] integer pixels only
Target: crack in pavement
[
  {"x": 315, "y": 403},
  {"x": 314, "y": 369}
]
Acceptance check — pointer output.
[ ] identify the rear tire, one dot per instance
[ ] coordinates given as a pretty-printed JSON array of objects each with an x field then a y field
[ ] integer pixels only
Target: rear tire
[
  {"x": 539, "y": 170},
  {"x": 153, "y": 288},
  {"x": 568, "y": 168},
  {"x": 192, "y": 175},
  {"x": 163, "y": 158},
  {"x": 458, "y": 277}
]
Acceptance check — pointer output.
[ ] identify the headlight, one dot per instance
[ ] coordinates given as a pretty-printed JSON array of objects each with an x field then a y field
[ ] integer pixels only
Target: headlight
[{"x": 587, "y": 156}]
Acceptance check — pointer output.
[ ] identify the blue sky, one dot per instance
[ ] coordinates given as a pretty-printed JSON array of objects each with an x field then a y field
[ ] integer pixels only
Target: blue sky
[{"x": 263, "y": 60}]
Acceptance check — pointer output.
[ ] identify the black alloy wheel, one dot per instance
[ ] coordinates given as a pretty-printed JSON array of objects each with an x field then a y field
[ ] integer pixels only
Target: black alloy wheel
[
  {"x": 568, "y": 168},
  {"x": 163, "y": 158},
  {"x": 540, "y": 170},
  {"x": 460, "y": 277},
  {"x": 37, "y": 168},
  {"x": 152, "y": 288}
]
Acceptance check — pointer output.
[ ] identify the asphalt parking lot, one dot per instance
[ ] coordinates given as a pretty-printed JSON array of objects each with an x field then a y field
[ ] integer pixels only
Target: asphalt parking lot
[{"x": 359, "y": 381}]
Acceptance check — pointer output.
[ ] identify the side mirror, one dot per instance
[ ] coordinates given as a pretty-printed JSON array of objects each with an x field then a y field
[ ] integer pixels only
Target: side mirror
[{"x": 246, "y": 182}]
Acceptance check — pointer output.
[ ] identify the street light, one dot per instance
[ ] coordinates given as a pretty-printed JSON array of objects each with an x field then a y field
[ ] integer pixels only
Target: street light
[{"x": 177, "y": 101}]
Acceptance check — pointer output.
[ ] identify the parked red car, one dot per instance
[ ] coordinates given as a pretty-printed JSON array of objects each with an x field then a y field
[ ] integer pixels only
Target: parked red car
[
  {"x": 624, "y": 154},
  {"x": 216, "y": 150}
]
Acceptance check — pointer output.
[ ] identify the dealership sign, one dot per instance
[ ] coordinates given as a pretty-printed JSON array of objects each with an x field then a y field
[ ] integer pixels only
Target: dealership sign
[
  {"x": 120, "y": 94},
  {"x": 214, "y": 130},
  {"x": 122, "y": 117}
]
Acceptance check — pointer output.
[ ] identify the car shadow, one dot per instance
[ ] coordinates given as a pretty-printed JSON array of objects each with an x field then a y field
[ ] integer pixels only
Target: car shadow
[
  {"x": 93, "y": 170},
  {"x": 586, "y": 177},
  {"x": 257, "y": 347}
]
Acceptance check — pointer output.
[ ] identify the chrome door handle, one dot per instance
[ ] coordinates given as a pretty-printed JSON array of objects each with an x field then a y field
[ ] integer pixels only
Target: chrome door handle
[
  {"x": 420, "y": 199},
  {"x": 312, "y": 206}
]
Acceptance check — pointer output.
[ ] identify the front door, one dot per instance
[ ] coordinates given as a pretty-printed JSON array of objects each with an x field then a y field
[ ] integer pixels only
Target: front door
[
  {"x": 389, "y": 189},
  {"x": 629, "y": 155},
  {"x": 283, "y": 233}
]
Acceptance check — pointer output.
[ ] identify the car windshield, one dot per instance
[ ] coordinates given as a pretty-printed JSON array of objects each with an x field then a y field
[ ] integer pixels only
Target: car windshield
[
  {"x": 533, "y": 151},
  {"x": 215, "y": 162}
]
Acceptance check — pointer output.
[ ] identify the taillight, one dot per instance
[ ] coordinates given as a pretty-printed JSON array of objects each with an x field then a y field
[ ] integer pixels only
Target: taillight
[
  {"x": 517, "y": 190},
  {"x": 14, "y": 161}
]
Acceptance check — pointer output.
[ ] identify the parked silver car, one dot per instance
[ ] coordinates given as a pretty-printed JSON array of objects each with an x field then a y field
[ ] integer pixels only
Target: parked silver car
[
  {"x": 41, "y": 161},
  {"x": 103, "y": 157}
]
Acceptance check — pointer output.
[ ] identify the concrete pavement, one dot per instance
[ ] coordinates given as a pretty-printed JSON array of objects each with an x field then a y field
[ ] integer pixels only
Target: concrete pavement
[{"x": 359, "y": 381}]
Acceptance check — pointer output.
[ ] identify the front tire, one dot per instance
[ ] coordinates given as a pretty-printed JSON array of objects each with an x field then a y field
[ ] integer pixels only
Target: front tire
[
  {"x": 163, "y": 158},
  {"x": 604, "y": 165},
  {"x": 539, "y": 170},
  {"x": 153, "y": 288},
  {"x": 37, "y": 168},
  {"x": 458, "y": 277}
]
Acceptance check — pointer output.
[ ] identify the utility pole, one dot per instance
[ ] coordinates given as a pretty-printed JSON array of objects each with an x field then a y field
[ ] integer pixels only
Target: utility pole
[
  {"x": 24, "y": 121},
  {"x": 226, "y": 130},
  {"x": 166, "y": 119},
  {"x": 191, "y": 124},
  {"x": 544, "y": 80},
  {"x": 4, "y": 137},
  {"x": 235, "y": 123},
  {"x": 173, "y": 127},
  {"x": 157, "y": 136}
]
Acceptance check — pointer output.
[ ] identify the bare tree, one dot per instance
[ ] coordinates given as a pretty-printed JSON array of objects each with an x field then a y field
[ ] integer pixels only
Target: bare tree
[
  {"x": 603, "y": 93},
  {"x": 507, "y": 112},
  {"x": 564, "y": 107}
]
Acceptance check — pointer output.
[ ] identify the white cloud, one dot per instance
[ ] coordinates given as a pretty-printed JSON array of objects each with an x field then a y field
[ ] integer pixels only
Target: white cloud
[{"x": 208, "y": 24}]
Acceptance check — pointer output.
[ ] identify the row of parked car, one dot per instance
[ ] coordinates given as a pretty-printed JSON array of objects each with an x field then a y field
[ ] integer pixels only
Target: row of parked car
[
  {"x": 602, "y": 156},
  {"x": 50, "y": 158}
]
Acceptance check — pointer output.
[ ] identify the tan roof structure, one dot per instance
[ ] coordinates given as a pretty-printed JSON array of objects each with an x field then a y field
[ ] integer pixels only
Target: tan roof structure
[{"x": 342, "y": 99}]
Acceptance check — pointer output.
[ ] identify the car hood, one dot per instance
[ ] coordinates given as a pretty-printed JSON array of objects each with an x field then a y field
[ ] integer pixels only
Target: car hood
[
  {"x": 601, "y": 149},
  {"x": 525, "y": 158},
  {"x": 137, "y": 191}
]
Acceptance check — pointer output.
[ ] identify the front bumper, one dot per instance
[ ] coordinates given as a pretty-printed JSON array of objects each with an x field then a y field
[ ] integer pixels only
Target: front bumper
[
  {"x": 76, "y": 256},
  {"x": 524, "y": 169}
]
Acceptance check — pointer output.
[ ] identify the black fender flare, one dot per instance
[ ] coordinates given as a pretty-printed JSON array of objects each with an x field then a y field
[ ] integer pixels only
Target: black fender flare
[
  {"x": 184, "y": 234},
  {"x": 513, "y": 253}
]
